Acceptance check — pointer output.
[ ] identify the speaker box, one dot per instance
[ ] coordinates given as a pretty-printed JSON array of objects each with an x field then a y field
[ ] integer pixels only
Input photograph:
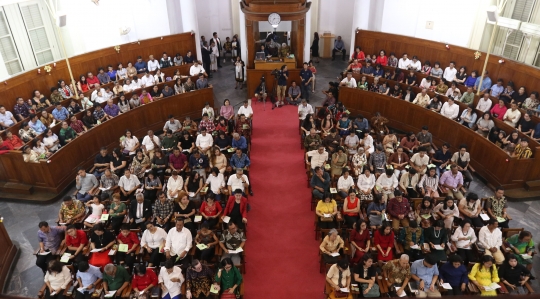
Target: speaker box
[{"x": 61, "y": 21}]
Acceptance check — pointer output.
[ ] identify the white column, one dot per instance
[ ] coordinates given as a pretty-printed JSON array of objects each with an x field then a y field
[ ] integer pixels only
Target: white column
[
  {"x": 235, "y": 13},
  {"x": 243, "y": 38},
  {"x": 307, "y": 35},
  {"x": 359, "y": 20},
  {"x": 188, "y": 10}
]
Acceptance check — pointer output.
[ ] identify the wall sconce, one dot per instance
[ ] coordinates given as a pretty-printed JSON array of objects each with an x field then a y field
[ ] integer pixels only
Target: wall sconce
[
  {"x": 192, "y": 32},
  {"x": 501, "y": 61},
  {"x": 39, "y": 71},
  {"x": 54, "y": 64},
  {"x": 162, "y": 38},
  {"x": 357, "y": 29},
  {"x": 447, "y": 46},
  {"x": 48, "y": 69},
  {"x": 138, "y": 42},
  {"x": 117, "y": 48},
  {"x": 477, "y": 55}
]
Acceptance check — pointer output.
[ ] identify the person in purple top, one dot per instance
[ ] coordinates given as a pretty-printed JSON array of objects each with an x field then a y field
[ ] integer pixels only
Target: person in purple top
[
  {"x": 111, "y": 109},
  {"x": 50, "y": 238}
]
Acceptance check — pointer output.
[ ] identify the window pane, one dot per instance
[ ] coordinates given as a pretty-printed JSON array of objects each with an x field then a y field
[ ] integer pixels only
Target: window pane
[
  {"x": 32, "y": 16},
  {"x": 13, "y": 67},
  {"x": 39, "y": 40},
  {"x": 44, "y": 57},
  {"x": 7, "y": 48},
  {"x": 4, "y": 29}
]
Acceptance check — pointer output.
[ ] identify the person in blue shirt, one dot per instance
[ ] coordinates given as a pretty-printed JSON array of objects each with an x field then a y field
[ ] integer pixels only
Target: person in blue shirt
[
  {"x": 486, "y": 83},
  {"x": 362, "y": 124},
  {"x": 88, "y": 277},
  {"x": 454, "y": 273},
  {"x": 424, "y": 274},
  {"x": 307, "y": 77},
  {"x": 140, "y": 65},
  {"x": 240, "y": 160},
  {"x": 36, "y": 124},
  {"x": 367, "y": 70},
  {"x": 198, "y": 162},
  {"x": 339, "y": 46},
  {"x": 239, "y": 142},
  {"x": 497, "y": 89},
  {"x": 60, "y": 113}
]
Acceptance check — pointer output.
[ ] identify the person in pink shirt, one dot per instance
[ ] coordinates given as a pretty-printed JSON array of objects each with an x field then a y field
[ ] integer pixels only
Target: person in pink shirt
[
  {"x": 145, "y": 97},
  {"x": 499, "y": 110}
]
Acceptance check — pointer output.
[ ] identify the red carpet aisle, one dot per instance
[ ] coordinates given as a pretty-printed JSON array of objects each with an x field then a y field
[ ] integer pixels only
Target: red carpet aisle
[{"x": 281, "y": 251}]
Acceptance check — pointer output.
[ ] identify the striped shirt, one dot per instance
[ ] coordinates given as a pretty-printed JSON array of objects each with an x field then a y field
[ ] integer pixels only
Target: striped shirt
[
  {"x": 427, "y": 181},
  {"x": 522, "y": 153}
]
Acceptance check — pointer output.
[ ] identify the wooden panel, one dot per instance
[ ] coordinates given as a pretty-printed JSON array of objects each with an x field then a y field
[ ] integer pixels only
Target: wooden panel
[
  {"x": 58, "y": 172},
  {"x": 491, "y": 162},
  {"x": 24, "y": 84},
  {"x": 8, "y": 250}
]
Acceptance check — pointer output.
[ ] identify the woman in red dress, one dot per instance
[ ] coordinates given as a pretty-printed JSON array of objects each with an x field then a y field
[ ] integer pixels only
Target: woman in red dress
[
  {"x": 384, "y": 241},
  {"x": 83, "y": 84},
  {"x": 359, "y": 240}
]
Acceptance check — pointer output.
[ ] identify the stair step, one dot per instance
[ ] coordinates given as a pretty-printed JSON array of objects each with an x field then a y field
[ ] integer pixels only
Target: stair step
[
  {"x": 532, "y": 185},
  {"x": 17, "y": 188}
]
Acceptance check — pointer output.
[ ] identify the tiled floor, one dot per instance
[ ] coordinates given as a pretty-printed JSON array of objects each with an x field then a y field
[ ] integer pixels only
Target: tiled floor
[{"x": 21, "y": 219}]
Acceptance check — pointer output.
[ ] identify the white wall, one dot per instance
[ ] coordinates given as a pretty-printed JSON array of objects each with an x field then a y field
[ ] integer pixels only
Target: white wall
[
  {"x": 336, "y": 16},
  {"x": 264, "y": 26},
  {"x": 452, "y": 23},
  {"x": 215, "y": 16},
  {"x": 91, "y": 27}
]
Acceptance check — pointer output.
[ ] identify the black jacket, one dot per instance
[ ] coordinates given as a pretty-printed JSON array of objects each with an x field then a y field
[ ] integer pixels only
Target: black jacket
[{"x": 147, "y": 209}]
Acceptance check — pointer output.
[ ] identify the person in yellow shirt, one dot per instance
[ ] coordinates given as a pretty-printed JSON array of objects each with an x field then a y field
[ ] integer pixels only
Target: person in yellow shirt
[
  {"x": 522, "y": 150},
  {"x": 326, "y": 210},
  {"x": 484, "y": 274}
]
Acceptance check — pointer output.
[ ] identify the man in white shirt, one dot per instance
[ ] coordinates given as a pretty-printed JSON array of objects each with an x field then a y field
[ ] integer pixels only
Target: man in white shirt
[
  {"x": 136, "y": 83},
  {"x": 484, "y": 104},
  {"x": 174, "y": 125},
  {"x": 386, "y": 184},
  {"x": 349, "y": 81},
  {"x": 174, "y": 185},
  {"x": 6, "y": 118},
  {"x": 128, "y": 184},
  {"x": 150, "y": 143},
  {"x": 512, "y": 115},
  {"x": 319, "y": 157},
  {"x": 450, "y": 72},
  {"x": 246, "y": 110},
  {"x": 490, "y": 239},
  {"x": 415, "y": 64},
  {"x": 420, "y": 160},
  {"x": 178, "y": 243},
  {"x": 238, "y": 181},
  {"x": 147, "y": 80},
  {"x": 204, "y": 141},
  {"x": 196, "y": 69},
  {"x": 216, "y": 182},
  {"x": 303, "y": 110},
  {"x": 97, "y": 93},
  {"x": 404, "y": 62},
  {"x": 127, "y": 86},
  {"x": 450, "y": 110},
  {"x": 152, "y": 64}
]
